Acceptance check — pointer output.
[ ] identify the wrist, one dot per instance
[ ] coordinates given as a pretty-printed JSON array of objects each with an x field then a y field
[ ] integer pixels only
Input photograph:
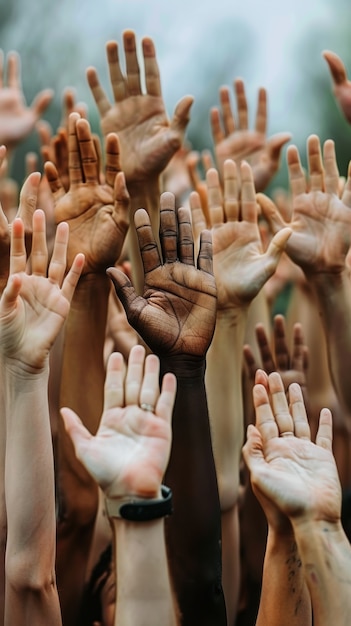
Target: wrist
[
  {"x": 183, "y": 366},
  {"x": 15, "y": 369},
  {"x": 144, "y": 192},
  {"x": 92, "y": 290},
  {"x": 139, "y": 508}
]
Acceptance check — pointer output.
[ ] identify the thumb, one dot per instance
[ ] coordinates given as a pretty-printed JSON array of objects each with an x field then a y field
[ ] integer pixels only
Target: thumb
[
  {"x": 131, "y": 302},
  {"x": 42, "y": 101},
  {"x": 275, "y": 145},
  {"x": 253, "y": 448},
  {"x": 181, "y": 115},
  {"x": 75, "y": 428},
  {"x": 336, "y": 66},
  {"x": 270, "y": 212},
  {"x": 277, "y": 246},
  {"x": 10, "y": 294}
]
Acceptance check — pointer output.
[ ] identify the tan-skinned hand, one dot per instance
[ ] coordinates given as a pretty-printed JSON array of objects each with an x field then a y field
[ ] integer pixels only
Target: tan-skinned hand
[
  {"x": 321, "y": 221},
  {"x": 234, "y": 140},
  {"x": 16, "y": 119},
  {"x": 148, "y": 138},
  {"x": 240, "y": 266},
  {"x": 128, "y": 455},
  {"x": 34, "y": 306},
  {"x": 176, "y": 314},
  {"x": 297, "y": 476},
  {"x": 97, "y": 213}
]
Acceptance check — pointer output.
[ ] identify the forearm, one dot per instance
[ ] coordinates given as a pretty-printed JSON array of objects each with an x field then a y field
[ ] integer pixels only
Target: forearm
[
  {"x": 285, "y": 599},
  {"x": 334, "y": 302},
  {"x": 225, "y": 402},
  {"x": 82, "y": 384},
  {"x": 144, "y": 195},
  {"x": 31, "y": 592},
  {"x": 194, "y": 529},
  {"x": 144, "y": 594},
  {"x": 326, "y": 558}
]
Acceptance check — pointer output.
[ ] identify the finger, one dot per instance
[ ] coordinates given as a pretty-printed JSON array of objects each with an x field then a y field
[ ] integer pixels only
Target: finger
[
  {"x": 120, "y": 212},
  {"x": 39, "y": 254},
  {"x": 241, "y": 103},
  {"x": 55, "y": 184},
  {"x": 336, "y": 66},
  {"x": 205, "y": 256},
  {"x": 45, "y": 132},
  {"x": 215, "y": 200},
  {"x": 261, "y": 378},
  {"x": 116, "y": 77},
  {"x": 181, "y": 115},
  {"x": 87, "y": 152},
  {"x": 114, "y": 382},
  {"x": 265, "y": 351},
  {"x": 207, "y": 160},
  {"x": 75, "y": 428},
  {"x": 134, "y": 376},
  {"x": 274, "y": 147},
  {"x": 346, "y": 195},
  {"x": 150, "y": 388},
  {"x": 324, "y": 437},
  {"x": 280, "y": 407},
  {"x": 71, "y": 280},
  {"x": 297, "y": 360},
  {"x": 58, "y": 261},
  {"x": 253, "y": 449},
  {"x": 18, "y": 256},
  {"x": 28, "y": 200},
  {"x": 315, "y": 164},
  {"x": 113, "y": 164},
  {"x": 97, "y": 91},
  {"x": 275, "y": 250},
  {"x": 41, "y": 102},
  {"x": 147, "y": 244},
  {"x": 270, "y": 212},
  {"x": 13, "y": 70},
  {"x": 125, "y": 292},
  {"x": 31, "y": 162},
  {"x": 280, "y": 345},
  {"x": 251, "y": 363},
  {"x": 330, "y": 167},
  {"x": 261, "y": 114},
  {"x": 216, "y": 129},
  {"x": 74, "y": 160},
  {"x": 265, "y": 422},
  {"x": 296, "y": 174},
  {"x": 231, "y": 191},
  {"x": 98, "y": 151},
  {"x": 168, "y": 228},
  {"x": 248, "y": 194},
  {"x": 132, "y": 65},
  {"x": 165, "y": 402},
  {"x": 152, "y": 74},
  {"x": 298, "y": 411},
  {"x": 62, "y": 153},
  {"x": 185, "y": 237},
  {"x": 11, "y": 292},
  {"x": 197, "y": 215},
  {"x": 227, "y": 113}
]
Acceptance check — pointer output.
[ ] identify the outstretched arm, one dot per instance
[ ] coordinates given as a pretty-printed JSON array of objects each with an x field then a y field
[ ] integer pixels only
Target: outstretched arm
[
  {"x": 148, "y": 138},
  {"x": 321, "y": 233},
  {"x": 128, "y": 458},
  {"x": 176, "y": 316},
  {"x": 33, "y": 308},
  {"x": 300, "y": 480}
]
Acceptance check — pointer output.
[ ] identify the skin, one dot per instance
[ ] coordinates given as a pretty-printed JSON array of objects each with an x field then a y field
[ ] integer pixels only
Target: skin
[
  {"x": 33, "y": 308},
  {"x": 234, "y": 140},
  {"x": 340, "y": 81},
  {"x": 128, "y": 457}
]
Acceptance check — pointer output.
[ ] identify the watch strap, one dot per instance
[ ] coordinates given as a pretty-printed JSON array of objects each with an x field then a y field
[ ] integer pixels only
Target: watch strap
[{"x": 140, "y": 509}]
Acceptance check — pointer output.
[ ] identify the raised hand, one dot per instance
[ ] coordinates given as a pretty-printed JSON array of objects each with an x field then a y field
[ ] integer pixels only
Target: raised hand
[
  {"x": 321, "y": 221},
  {"x": 130, "y": 451},
  {"x": 299, "y": 477},
  {"x": 16, "y": 119},
  {"x": 341, "y": 84},
  {"x": 240, "y": 266},
  {"x": 177, "y": 312},
  {"x": 292, "y": 366},
  {"x": 97, "y": 213},
  {"x": 233, "y": 139},
  {"x": 148, "y": 138},
  {"x": 33, "y": 307}
]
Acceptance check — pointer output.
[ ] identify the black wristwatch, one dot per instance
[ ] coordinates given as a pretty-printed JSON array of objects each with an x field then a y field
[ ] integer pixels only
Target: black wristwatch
[{"x": 141, "y": 509}]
